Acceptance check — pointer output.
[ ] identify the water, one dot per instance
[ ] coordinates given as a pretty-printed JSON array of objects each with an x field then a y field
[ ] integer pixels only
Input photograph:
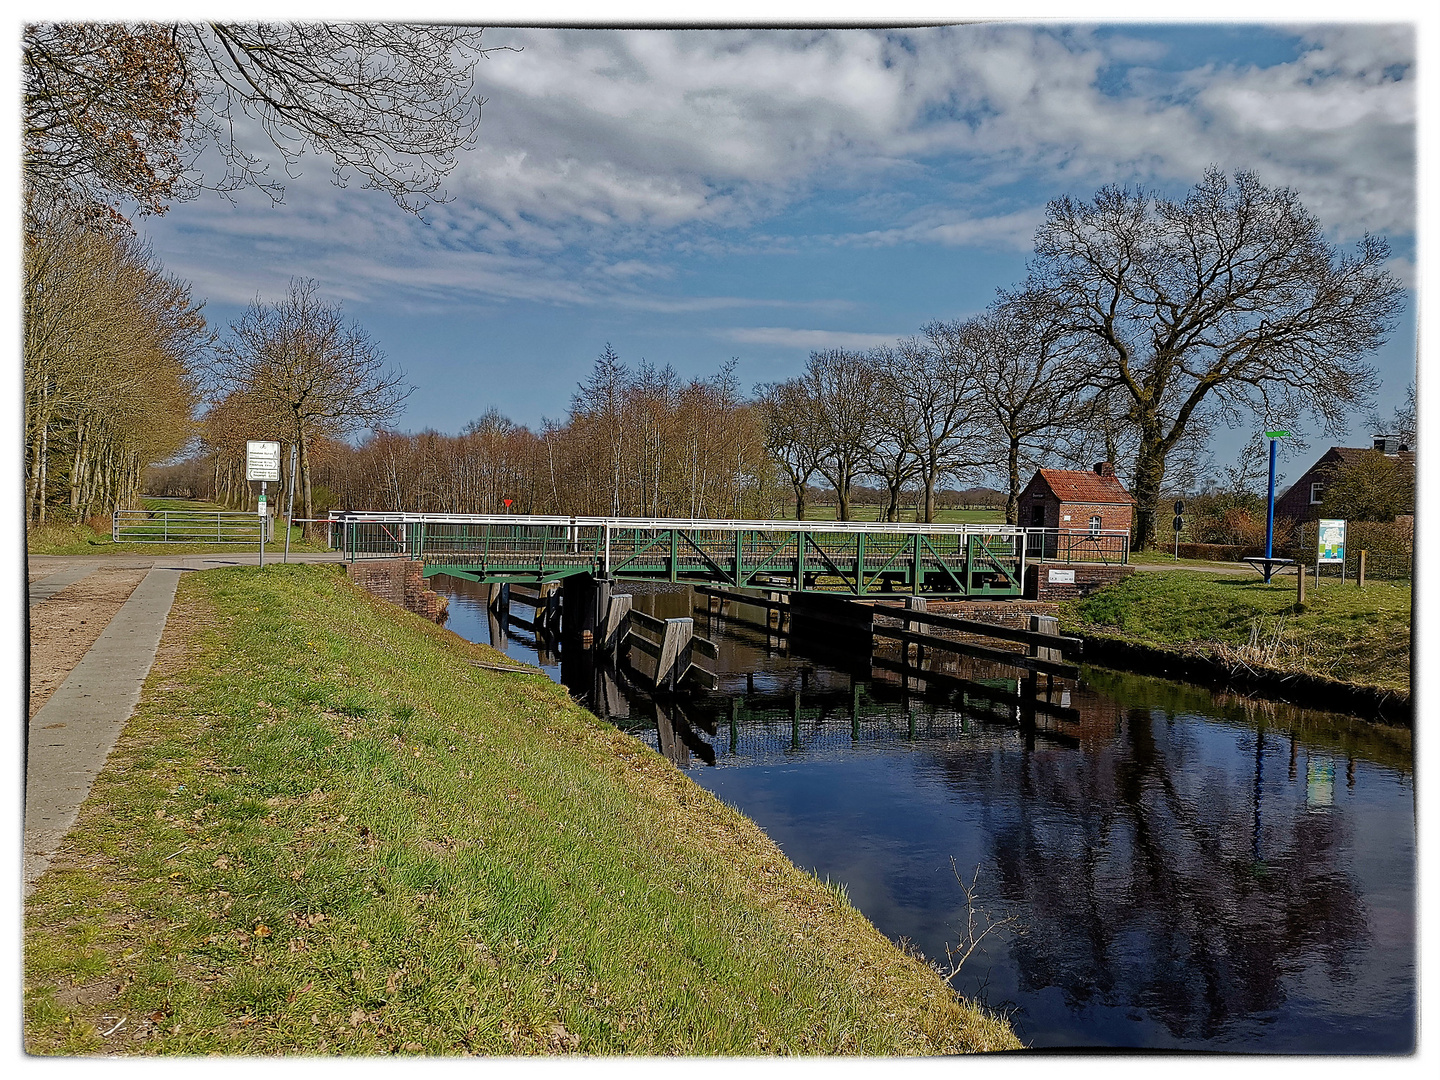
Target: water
[{"x": 1179, "y": 869}]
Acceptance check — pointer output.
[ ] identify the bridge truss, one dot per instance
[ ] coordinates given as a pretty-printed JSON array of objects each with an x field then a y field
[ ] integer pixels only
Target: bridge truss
[{"x": 846, "y": 558}]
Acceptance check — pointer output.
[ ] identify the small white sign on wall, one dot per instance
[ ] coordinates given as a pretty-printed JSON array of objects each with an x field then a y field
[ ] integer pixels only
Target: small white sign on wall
[{"x": 1062, "y": 577}]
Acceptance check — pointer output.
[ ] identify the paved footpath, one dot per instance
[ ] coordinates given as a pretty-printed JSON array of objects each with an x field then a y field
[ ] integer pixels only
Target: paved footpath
[{"x": 72, "y": 735}]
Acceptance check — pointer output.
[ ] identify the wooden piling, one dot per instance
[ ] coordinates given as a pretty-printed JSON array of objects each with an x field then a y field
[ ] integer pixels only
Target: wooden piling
[
  {"x": 1300, "y": 586},
  {"x": 550, "y": 597},
  {"x": 674, "y": 652},
  {"x": 617, "y": 623},
  {"x": 919, "y": 628},
  {"x": 1360, "y": 578}
]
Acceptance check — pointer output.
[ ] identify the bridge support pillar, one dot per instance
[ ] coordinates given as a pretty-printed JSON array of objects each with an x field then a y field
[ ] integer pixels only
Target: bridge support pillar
[
  {"x": 837, "y": 623},
  {"x": 580, "y": 594}
]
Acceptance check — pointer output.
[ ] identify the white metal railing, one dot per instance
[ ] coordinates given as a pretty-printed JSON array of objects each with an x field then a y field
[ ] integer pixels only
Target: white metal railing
[{"x": 716, "y": 524}]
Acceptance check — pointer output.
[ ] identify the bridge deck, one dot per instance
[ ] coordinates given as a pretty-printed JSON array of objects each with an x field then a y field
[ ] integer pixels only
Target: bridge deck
[{"x": 853, "y": 558}]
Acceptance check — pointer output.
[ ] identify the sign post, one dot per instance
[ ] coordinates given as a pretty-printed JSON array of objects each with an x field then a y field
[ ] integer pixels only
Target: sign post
[
  {"x": 1270, "y": 562},
  {"x": 1329, "y": 545},
  {"x": 262, "y": 462}
]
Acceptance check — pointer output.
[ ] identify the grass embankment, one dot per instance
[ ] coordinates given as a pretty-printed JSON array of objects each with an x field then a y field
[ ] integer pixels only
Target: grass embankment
[
  {"x": 80, "y": 538},
  {"x": 1356, "y": 636},
  {"x": 324, "y": 832}
]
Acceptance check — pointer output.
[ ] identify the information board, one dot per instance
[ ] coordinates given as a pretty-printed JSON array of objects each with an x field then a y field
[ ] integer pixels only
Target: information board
[
  {"x": 262, "y": 460},
  {"x": 1330, "y": 541}
]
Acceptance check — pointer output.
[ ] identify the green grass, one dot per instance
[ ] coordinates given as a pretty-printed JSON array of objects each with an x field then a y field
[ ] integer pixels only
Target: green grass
[
  {"x": 151, "y": 502},
  {"x": 1359, "y": 636},
  {"x": 1159, "y": 558},
  {"x": 324, "y": 832}
]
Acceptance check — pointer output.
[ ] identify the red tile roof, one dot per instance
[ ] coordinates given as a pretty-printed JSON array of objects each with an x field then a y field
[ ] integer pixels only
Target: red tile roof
[{"x": 1083, "y": 486}]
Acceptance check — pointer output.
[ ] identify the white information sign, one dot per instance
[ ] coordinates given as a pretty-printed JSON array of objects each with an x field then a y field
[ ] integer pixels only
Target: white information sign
[
  {"x": 262, "y": 460},
  {"x": 1330, "y": 541},
  {"x": 1062, "y": 577}
]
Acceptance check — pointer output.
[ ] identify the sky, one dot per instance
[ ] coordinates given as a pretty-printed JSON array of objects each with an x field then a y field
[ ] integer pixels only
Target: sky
[{"x": 696, "y": 196}]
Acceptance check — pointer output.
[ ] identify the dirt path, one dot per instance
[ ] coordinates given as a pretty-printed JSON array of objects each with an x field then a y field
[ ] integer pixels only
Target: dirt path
[{"x": 63, "y": 628}]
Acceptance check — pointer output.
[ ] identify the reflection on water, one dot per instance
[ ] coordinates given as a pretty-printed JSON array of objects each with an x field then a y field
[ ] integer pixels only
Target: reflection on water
[{"x": 1189, "y": 870}]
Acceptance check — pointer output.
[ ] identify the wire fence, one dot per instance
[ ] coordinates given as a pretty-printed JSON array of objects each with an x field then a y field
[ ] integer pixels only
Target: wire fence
[{"x": 1389, "y": 550}]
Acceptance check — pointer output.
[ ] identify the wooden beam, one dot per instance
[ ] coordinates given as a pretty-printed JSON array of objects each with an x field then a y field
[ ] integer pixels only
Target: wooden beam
[
  {"x": 980, "y": 652},
  {"x": 1070, "y": 645}
]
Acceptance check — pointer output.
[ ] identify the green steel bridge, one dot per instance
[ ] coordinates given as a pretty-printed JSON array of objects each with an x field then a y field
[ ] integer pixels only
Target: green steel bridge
[{"x": 846, "y": 558}]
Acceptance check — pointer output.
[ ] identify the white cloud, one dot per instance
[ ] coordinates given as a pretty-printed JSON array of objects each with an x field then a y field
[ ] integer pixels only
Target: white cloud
[
  {"x": 651, "y": 130},
  {"x": 804, "y": 339},
  {"x": 605, "y": 156}
]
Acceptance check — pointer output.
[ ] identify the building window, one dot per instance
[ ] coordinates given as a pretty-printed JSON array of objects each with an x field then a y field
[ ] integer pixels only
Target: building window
[
  {"x": 1317, "y": 494},
  {"x": 1094, "y": 523}
]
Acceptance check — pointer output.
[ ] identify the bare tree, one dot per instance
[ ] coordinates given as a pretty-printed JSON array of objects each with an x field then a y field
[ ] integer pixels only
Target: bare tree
[
  {"x": 790, "y": 435},
  {"x": 839, "y": 389},
  {"x": 891, "y": 456},
  {"x": 307, "y": 373},
  {"x": 1024, "y": 380},
  {"x": 119, "y": 113},
  {"x": 599, "y": 409},
  {"x": 937, "y": 393},
  {"x": 1229, "y": 304}
]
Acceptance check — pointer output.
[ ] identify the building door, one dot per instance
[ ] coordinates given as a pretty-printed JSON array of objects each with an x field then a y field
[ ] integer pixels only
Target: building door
[{"x": 1037, "y": 516}]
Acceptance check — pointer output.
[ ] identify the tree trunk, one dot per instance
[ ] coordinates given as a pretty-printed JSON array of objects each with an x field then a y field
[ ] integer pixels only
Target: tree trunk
[
  {"x": 77, "y": 478},
  {"x": 44, "y": 463},
  {"x": 305, "y": 483},
  {"x": 1149, "y": 475},
  {"x": 892, "y": 512},
  {"x": 1012, "y": 504}
]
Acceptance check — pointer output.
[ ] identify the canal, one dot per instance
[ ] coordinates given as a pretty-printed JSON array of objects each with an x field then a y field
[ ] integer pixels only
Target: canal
[{"x": 1176, "y": 869}]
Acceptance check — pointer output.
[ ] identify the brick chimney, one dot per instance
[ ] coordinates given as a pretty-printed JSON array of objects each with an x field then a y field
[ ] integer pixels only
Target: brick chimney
[{"x": 1104, "y": 468}]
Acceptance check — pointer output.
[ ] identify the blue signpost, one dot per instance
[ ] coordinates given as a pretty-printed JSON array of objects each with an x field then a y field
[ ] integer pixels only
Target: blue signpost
[{"x": 1268, "y": 564}]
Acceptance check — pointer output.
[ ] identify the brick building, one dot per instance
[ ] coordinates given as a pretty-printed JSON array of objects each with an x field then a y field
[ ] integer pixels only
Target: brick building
[{"x": 1076, "y": 499}]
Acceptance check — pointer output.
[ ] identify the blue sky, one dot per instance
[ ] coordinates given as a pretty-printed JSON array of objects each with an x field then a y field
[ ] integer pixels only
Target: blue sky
[{"x": 695, "y": 196}]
